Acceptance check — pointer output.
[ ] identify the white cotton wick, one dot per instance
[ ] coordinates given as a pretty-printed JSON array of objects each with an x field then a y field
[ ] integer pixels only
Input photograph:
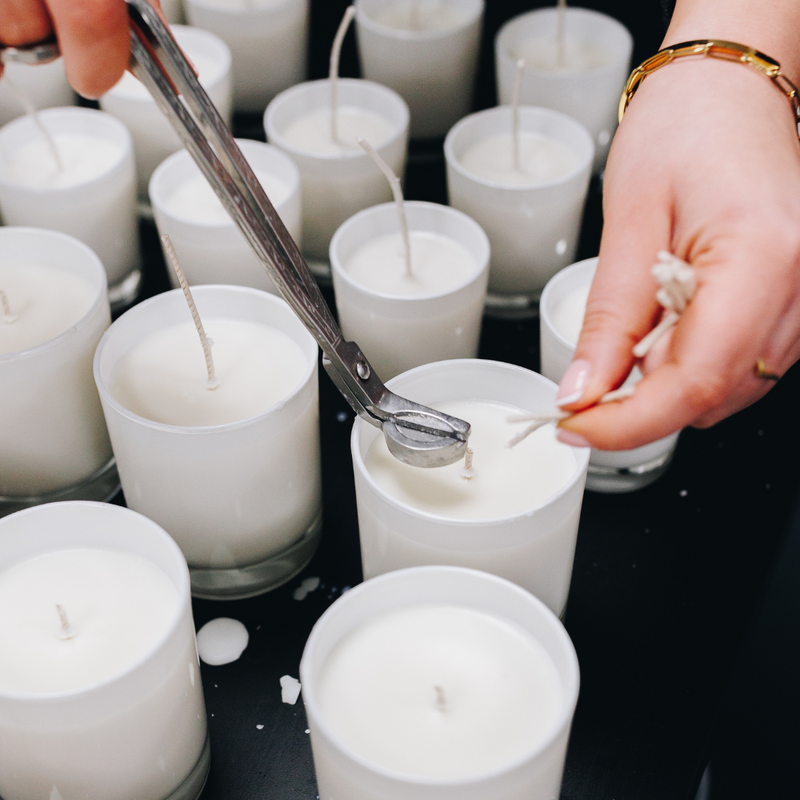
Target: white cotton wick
[
  {"x": 515, "y": 101},
  {"x": 468, "y": 472},
  {"x": 212, "y": 382},
  {"x": 561, "y": 27},
  {"x": 441, "y": 700},
  {"x": 333, "y": 74},
  {"x": 397, "y": 192},
  {"x": 8, "y": 317},
  {"x": 65, "y": 630},
  {"x": 413, "y": 15}
]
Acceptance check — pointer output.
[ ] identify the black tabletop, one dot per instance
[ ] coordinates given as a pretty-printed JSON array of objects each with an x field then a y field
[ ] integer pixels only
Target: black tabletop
[{"x": 665, "y": 579}]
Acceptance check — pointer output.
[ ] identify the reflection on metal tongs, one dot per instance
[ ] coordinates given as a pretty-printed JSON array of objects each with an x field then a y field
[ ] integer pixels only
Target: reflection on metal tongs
[{"x": 415, "y": 434}]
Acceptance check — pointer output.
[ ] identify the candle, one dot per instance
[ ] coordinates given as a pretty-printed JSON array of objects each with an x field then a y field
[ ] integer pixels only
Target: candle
[
  {"x": 212, "y": 248},
  {"x": 438, "y": 682},
  {"x": 45, "y": 85},
  {"x": 531, "y": 211},
  {"x": 402, "y": 320},
  {"x": 583, "y": 77},
  {"x": 517, "y": 514},
  {"x": 232, "y": 473},
  {"x": 90, "y": 196},
  {"x": 268, "y": 40},
  {"x": 52, "y": 435},
  {"x": 153, "y": 136},
  {"x": 104, "y": 673},
  {"x": 427, "y": 52},
  {"x": 562, "y": 310}
]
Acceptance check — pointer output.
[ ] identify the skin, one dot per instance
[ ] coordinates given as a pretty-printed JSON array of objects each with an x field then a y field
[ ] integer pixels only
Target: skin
[{"x": 705, "y": 164}]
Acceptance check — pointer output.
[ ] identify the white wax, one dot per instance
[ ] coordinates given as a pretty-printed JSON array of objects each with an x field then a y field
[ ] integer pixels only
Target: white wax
[
  {"x": 567, "y": 315},
  {"x": 83, "y": 158},
  {"x": 119, "y": 606},
  {"x": 195, "y": 200},
  {"x": 163, "y": 377},
  {"x": 541, "y": 159},
  {"x": 580, "y": 55},
  {"x": 440, "y": 691},
  {"x": 222, "y": 641},
  {"x": 44, "y": 302},
  {"x": 507, "y": 481},
  {"x": 311, "y": 132},
  {"x": 437, "y": 16},
  {"x": 208, "y": 70},
  {"x": 438, "y": 264}
]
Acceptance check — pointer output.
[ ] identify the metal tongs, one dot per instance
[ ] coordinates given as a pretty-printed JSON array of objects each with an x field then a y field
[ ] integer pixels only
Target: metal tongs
[{"x": 415, "y": 434}]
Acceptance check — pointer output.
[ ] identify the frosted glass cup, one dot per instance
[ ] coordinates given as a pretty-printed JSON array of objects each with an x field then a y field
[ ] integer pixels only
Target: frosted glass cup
[{"x": 609, "y": 471}]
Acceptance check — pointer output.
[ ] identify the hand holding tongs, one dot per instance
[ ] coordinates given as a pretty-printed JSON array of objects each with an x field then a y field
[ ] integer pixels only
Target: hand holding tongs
[{"x": 415, "y": 434}]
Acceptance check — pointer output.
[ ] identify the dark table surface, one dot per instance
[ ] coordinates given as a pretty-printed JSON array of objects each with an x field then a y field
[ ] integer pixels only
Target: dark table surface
[{"x": 665, "y": 579}]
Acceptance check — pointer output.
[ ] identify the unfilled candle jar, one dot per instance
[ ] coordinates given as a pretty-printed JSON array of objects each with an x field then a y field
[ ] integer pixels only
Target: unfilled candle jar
[
  {"x": 562, "y": 309},
  {"x": 435, "y": 683},
  {"x": 531, "y": 211},
  {"x": 53, "y": 438},
  {"x": 588, "y": 81},
  {"x": 399, "y": 320},
  {"x": 100, "y": 696},
  {"x": 427, "y": 52},
  {"x": 91, "y": 195},
  {"x": 515, "y": 513},
  {"x": 212, "y": 248},
  {"x": 45, "y": 85},
  {"x": 232, "y": 473}
]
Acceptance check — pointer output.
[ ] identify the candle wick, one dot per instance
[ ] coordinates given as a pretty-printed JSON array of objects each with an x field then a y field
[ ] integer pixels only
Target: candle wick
[
  {"x": 33, "y": 113},
  {"x": 212, "y": 381},
  {"x": 66, "y": 631},
  {"x": 333, "y": 75},
  {"x": 561, "y": 32},
  {"x": 397, "y": 191},
  {"x": 8, "y": 317},
  {"x": 468, "y": 472},
  {"x": 515, "y": 99},
  {"x": 441, "y": 699},
  {"x": 413, "y": 15}
]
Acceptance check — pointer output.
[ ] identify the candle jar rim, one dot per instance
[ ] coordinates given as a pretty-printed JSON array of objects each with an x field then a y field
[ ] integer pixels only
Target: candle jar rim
[
  {"x": 588, "y": 265},
  {"x": 92, "y": 261},
  {"x": 481, "y": 264},
  {"x": 570, "y": 682},
  {"x": 309, "y": 352},
  {"x": 584, "y": 162},
  {"x": 363, "y": 18},
  {"x": 581, "y": 454},
  {"x": 182, "y": 588}
]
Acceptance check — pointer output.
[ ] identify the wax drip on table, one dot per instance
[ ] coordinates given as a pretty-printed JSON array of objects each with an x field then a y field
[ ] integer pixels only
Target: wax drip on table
[
  {"x": 397, "y": 192},
  {"x": 333, "y": 75},
  {"x": 212, "y": 382},
  {"x": 8, "y": 316},
  {"x": 561, "y": 32},
  {"x": 515, "y": 100},
  {"x": 33, "y": 113},
  {"x": 65, "y": 630},
  {"x": 678, "y": 284},
  {"x": 468, "y": 472}
]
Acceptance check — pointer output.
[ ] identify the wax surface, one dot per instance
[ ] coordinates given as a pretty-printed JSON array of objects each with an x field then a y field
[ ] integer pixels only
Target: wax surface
[
  {"x": 438, "y": 264},
  {"x": 194, "y": 199},
  {"x": 542, "y": 159},
  {"x": 436, "y": 16},
  {"x": 163, "y": 377},
  {"x": 579, "y": 55},
  {"x": 568, "y": 314},
  {"x": 208, "y": 70},
  {"x": 119, "y": 606},
  {"x": 45, "y": 302},
  {"x": 440, "y": 691},
  {"x": 83, "y": 158},
  {"x": 312, "y": 131},
  {"x": 507, "y": 481}
]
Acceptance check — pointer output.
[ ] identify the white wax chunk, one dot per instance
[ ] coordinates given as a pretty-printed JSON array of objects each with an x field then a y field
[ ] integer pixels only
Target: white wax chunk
[
  {"x": 438, "y": 264},
  {"x": 44, "y": 303},
  {"x": 208, "y": 70},
  {"x": 290, "y": 689},
  {"x": 163, "y": 377},
  {"x": 222, "y": 641},
  {"x": 118, "y": 604},
  {"x": 83, "y": 158},
  {"x": 568, "y": 314},
  {"x": 440, "y": 691},
  {"x": 195, "y": 200},
  {"x": 437, "y": 16},
  {"x": 541, "y": 159},
  {"x": 579, "y": 55},
  {"x": 507, "y": 481},
  {"x": 312, "y": 131}
]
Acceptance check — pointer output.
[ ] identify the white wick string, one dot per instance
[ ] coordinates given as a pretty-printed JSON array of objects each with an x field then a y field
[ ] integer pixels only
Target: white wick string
[
  {"x": 397, "y": 191},
  {"x": 413, "y": 15},
  {"x": 468, "y": 472},
  {"x": 66, "y": 631},
  {"x": 212, "y": 381},
  {"x": 441, "y": 699},
  {"x": 333, "y": 75},
  {"x": 561, "y": 32},
  {"x": 515, "y": 98},
  {"x": 8, "y": 316},
  {"x": 33, "y": 113}
]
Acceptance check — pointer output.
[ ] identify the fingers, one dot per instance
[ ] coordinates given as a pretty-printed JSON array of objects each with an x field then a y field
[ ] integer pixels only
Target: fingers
[{"x": 24, "y": 22}]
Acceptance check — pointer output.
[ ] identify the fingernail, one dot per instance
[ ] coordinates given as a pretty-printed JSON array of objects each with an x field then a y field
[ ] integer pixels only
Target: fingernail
[
  {"x": 571, "y": 438},
  {"x": 574, "y": 382}
]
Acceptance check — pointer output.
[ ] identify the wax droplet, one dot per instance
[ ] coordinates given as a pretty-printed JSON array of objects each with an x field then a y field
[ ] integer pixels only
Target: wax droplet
[
  {"x": 305, "y": 588},
  {"x": 222, "y": 641},
  {"x": 290, "y": 689},
  {"x": 259, "y": 727},
  {"x": 561, "y": 247}
]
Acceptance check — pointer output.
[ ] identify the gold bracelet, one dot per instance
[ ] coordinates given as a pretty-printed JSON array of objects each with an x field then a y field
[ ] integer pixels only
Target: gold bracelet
[{"x": 714, "y": 48}]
